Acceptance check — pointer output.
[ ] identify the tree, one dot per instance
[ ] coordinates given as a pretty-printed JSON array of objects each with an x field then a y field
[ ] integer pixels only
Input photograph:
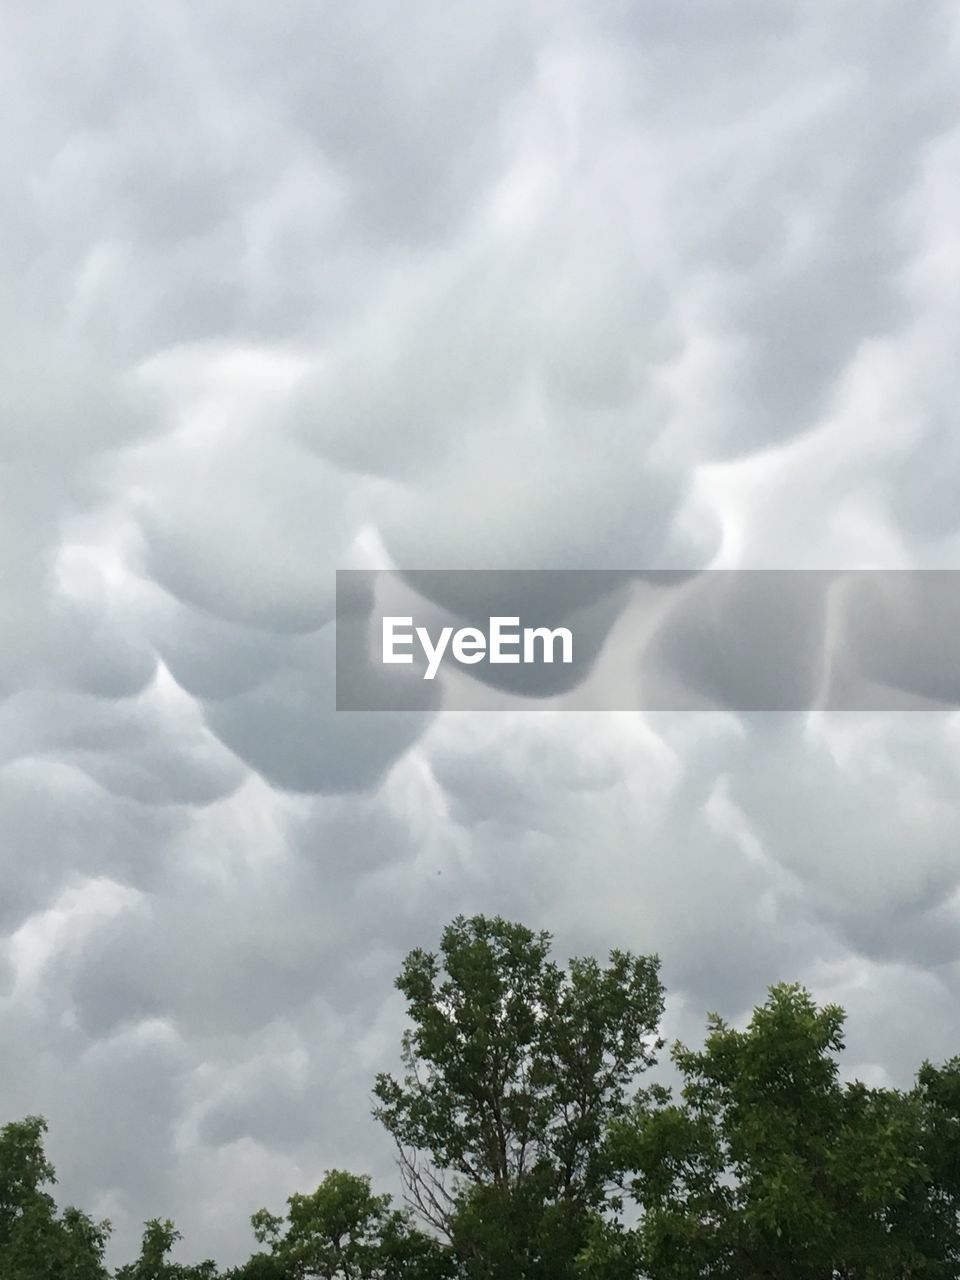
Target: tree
[
  {"x": 261, "y": 1266},
  {"x": 342, "y": 1231},
  {"x": 36, "y": 1243},
  {"x": 513, "y": 1070},
  {"x": 769, "y": 1166},
  {"x": 522, "y": 1129},
  {"x": 932, "y": 1220},
  {"x": 159, "y": 1237}
]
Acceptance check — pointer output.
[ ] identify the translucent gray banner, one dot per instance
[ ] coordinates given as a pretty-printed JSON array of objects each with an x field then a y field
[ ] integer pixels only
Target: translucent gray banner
[{"x": 579, "y": 640}]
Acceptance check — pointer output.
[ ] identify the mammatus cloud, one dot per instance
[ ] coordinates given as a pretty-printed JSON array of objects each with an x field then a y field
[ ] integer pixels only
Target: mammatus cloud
[{"x": 289, "y": 290}]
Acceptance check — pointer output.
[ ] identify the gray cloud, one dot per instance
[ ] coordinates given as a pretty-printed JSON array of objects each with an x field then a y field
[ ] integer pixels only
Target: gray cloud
[{"x": 291, "y": 289}]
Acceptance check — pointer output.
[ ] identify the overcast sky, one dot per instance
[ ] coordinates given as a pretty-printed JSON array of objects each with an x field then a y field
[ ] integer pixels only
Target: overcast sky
[{"x": 294, "y": 286}]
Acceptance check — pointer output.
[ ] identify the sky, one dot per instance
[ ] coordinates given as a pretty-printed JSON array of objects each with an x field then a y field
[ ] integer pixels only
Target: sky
[{"x": 294, "y": 287}]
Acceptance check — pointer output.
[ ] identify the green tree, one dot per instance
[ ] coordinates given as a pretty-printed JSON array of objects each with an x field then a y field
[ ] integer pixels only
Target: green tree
[
  {"x": 514, "y": 1068},
  {"x": 37, "y": 1243},
  {"x": 770, "y": 1167},
  {"x": 342, "y": 1231},
  {"x": 932, "y": 1220},
  {"x": 159, "y": 1237},
  {"x": 261, "y": 1266}
]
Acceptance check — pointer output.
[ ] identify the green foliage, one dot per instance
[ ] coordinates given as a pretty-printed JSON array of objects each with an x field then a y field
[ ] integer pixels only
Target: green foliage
[
  {"x": 514, "y": 1069},
  {"x": 342, "y": 1231},
  {"x": 932, "y": 1220},
  {"x": 769, "y": 1166},
  {"x": 159, "y": 1237},
  {"x": 35, "y": 1242},
  {"x": 261, "y": 1266},
  {"x": 524, "y": 1230},
  {"x": 522, "y": 1133}
]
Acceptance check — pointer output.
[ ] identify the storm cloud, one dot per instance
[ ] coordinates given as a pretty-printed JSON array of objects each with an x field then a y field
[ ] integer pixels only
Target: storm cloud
[{"x": 293, "y": 288}]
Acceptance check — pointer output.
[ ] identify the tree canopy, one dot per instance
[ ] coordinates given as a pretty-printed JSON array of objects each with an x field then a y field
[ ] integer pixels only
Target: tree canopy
[
  {"x": 342, "y": 1231},
  {"x": 514, "y": 1069},
  {"x": 37, "y": 1242},
  {"x": 532, "y": 1147},
  {"x": 769, "y": 1165}
]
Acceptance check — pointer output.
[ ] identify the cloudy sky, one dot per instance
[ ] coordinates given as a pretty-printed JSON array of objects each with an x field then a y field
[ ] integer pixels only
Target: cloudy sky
[{"x": 293, "y": 287}]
